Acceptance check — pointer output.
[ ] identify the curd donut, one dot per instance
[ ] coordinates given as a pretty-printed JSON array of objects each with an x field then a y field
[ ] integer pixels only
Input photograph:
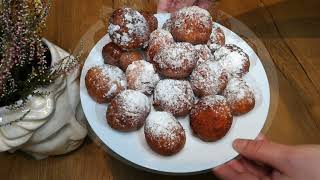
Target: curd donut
[
  {"x": 128, "y": 111},
  {"x": 211, "y": 118},
  {"x": 192, "y": 24},
  {"x": 151, "y": 20},
  {"x": 129, "y": 57},
  {"x": 158, "y": 39},
  {"x": 111, "y": 54},
  {"x": 217, "y": 38},
  {"x": 233, "y": 59},
  {"x": 209, "y": 78},
  {"x": 176, "y": 60},
  {"x": 128, "y": 28},
  {"x": 174, "y": 96},
  {"x": 239, "y": 96},
  {"x": 203, "y": 53},
  {"x": 104, "y": 82},
  {"x": 141, "y": 76},
  {"x": 164, "y": 134}
]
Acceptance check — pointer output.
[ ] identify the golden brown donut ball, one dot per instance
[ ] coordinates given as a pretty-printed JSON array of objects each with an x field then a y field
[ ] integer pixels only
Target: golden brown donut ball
[
  {"x": 129, "y": 57},
  {"x": 217, "y": 38},
  {"x": 239, "y": 96},
  {"x": 104, "y": 82},
  {"x": 211, "y": 118},
  {"x": 209, "y": 78},
  {"x": 141, "y": 76},
  {"x": 151, "y": 20},
  {"x": 128, "y": 28},
  {"x": 128, "y": 111},
  {"x": 111, "y": 54},
  {"x": 164, "y": 134},
  {"x": 158, "y": 39},
  {"x": 233, "y": 59},
  {"x": 176, "y": 60},
  {"x": 192, "y": 24},
  {"x": 174, "y": 96}
]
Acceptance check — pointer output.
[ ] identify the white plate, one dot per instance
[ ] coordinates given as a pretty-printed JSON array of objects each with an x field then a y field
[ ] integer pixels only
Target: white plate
[{"x": 197, "y": 155}]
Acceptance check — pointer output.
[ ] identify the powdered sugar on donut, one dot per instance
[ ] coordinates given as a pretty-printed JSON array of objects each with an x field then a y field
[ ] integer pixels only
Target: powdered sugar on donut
[
  {"x": 232, "y": 58},
  {"x": 135, "y": 25},
  {"x": 114, "y": 77},
  {"x": 141, "y": 76},
  {"x": 133, "y": 103},
  {"x": 175, "y": 56},
  {"x": 217, "y": 38},
  {"x": 160, "y": 37},
  {"x": 215, "y": 102},
  {"x": 173, "y": 95},
  {"x": 237, "y": 90},
  {"x": 209, "y": 78},
  {"x": 158, "y": 40},
  {"x": 203, "y": 53},
  {"x": 164, "y": 125},
  {"x": 200, "y": 16}
]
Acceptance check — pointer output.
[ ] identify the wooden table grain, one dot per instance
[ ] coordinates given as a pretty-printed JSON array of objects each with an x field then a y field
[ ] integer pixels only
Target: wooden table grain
[{"x": 290, "y": 31}]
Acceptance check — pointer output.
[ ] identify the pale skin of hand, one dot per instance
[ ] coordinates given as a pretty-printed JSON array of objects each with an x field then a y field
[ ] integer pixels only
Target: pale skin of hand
[{"x": 262, "y": 159}]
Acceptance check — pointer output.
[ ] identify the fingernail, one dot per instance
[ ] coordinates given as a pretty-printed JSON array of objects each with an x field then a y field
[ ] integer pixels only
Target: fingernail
[{"x": 239, "y": 144}]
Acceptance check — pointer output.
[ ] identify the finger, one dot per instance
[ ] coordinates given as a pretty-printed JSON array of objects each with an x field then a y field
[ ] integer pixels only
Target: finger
[
  {"x": 247, "y": 176},
  {"x": 278, "y": 175},
  {"x": 266, "y": 152},
  {"x": 237, "y": 166},
  {"x": 225, "y": 172},
  {"x": 254, "y": 168}
]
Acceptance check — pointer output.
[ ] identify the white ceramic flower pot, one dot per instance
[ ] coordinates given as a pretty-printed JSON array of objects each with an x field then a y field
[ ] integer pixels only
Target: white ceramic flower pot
[{"x": 54, "y": 124}]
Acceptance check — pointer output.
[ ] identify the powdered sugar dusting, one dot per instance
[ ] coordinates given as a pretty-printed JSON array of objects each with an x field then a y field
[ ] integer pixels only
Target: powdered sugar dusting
[
  {"x": 198, "y": 15},
  {"x": 133, "y": 103},
  {"x": 237, "y": 90},
  {"x": 217, "y": 38},
  {"x": 141, "y": 76},
  {"x": 114, "y": 77},
  {"x": 160, "y": 35},
  {"x": 173, "y": 95},
  {"x": 134, "y": 25},
  {"x": 158, "y": 40},
  {"x": 203, "y": 53},
  {"x": 164, "y": 125},
  {"x": 215, "y": 102},
  {"x": 232, "y": 58},
  {"x": 128, "y": 110},
  {"x": 209, "y": 78},
  {"x": 175, "y": 56}
]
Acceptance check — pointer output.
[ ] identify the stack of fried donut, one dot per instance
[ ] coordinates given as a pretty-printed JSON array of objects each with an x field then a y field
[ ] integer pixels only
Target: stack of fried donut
[{"x": 182, "y": 69}]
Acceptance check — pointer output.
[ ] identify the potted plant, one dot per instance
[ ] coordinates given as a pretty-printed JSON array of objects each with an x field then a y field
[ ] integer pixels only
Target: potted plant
[{"x": 40, "y": 111}]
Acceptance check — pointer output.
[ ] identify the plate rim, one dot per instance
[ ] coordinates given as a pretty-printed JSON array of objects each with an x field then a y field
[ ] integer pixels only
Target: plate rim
[{"x": 141, "y": 167}]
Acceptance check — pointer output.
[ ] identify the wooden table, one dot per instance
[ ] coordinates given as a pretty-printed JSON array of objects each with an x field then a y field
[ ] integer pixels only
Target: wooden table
[{"x": 290, "y": 31}]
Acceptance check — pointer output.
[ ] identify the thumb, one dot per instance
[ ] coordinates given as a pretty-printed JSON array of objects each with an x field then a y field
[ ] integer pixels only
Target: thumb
[{"x": 272, "y": 154}]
